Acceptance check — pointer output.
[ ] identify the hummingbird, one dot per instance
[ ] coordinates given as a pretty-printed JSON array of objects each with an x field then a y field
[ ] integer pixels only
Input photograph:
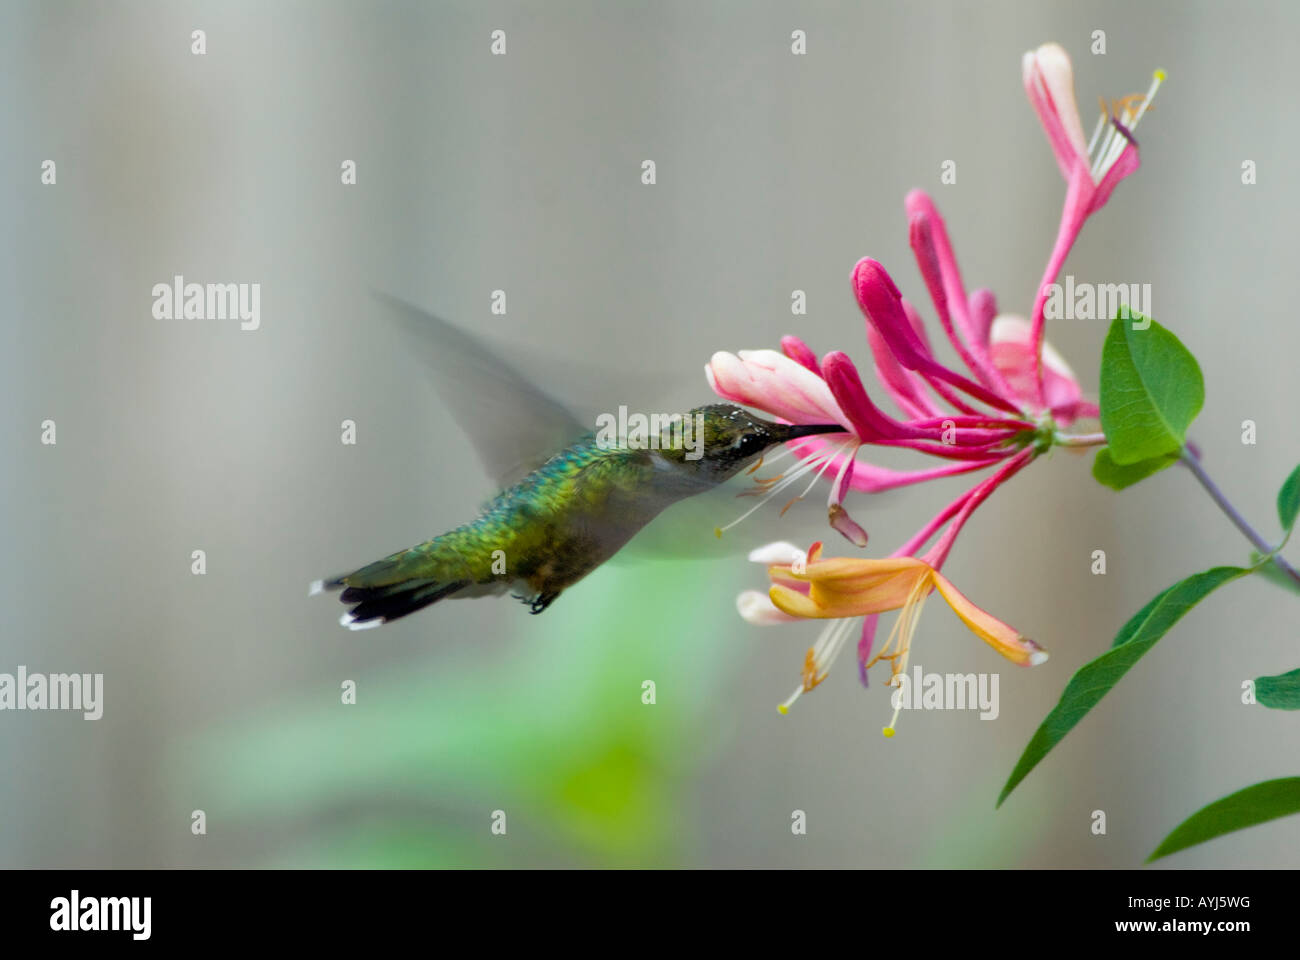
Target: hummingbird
[{"x": 563, "y": 518}]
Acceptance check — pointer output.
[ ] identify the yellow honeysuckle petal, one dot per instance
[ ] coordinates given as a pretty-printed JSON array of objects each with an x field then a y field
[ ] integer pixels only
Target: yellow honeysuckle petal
[
  {"x": 1000, "y": 636},
  {"x": 857, "y": 568},
  {"x": 876, "y": 588},
  {"x": 793, "y": 602},
  {"x": 878, "y": 597}
]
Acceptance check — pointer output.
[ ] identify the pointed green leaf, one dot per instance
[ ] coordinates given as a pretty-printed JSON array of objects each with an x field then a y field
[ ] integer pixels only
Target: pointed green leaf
[
  {"x": 1288, "y": 500},
  {"x": 1092, "y": 681},
  {"x": 1245, "y": 808},
  {"x": 1110, "y": 474},
  {"x": 1281, "y": 692},
  {"x": 1151, "y": 390}
]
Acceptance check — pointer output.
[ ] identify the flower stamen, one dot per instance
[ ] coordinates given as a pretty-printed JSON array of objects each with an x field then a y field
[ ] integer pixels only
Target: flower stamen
[
  {"x": 1123, "y": 118},
  {"x": 817, "y": 662},
  {"x": 817, "y": 461},
  {"x": 898, "y": 646}
]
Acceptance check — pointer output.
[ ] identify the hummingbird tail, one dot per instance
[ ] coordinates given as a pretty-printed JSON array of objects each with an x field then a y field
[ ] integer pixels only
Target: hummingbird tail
[{"x": 387, "y": 590}]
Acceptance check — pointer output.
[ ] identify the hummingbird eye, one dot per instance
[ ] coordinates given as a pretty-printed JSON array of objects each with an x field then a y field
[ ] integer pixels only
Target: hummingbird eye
[{"x": 750, "y": 443}]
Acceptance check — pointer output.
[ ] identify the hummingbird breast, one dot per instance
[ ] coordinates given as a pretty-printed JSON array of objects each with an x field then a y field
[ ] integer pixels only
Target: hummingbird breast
[{"x": 563, "y": 520}]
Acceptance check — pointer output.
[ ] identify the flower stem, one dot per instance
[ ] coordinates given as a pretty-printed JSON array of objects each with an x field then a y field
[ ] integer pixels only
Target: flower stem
[
  {"x": 1079, "y": 439},
  {"x": 1193, "y": 463}
]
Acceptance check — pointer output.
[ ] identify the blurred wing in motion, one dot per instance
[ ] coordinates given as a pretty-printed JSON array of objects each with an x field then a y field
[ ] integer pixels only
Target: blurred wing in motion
[{"x": 516, "y": 426}]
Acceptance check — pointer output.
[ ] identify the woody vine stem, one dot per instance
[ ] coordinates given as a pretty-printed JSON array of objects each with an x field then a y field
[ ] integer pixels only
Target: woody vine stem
[{"x": 1193, "y": 463}]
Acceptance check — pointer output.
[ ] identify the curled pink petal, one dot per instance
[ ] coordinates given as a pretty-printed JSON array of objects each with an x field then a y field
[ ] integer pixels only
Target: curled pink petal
[
  {"x": 1049, "y": 83},
  {"x": 940, "y": 388},
  {"x": 846, "y": 525},
  {"x": 881, "y": 304},
  {"x": 879, "y": 301},
  {"x": 838, "y": 516},
  {"x": 905, "y": 387},
  {"x": 983, "y": 308},
  {"x": 800, "y": 353},
  {"x": 943, "y": 287},
  {"x": 919, "y": 206},
  {"x": 868, "y": 421}
]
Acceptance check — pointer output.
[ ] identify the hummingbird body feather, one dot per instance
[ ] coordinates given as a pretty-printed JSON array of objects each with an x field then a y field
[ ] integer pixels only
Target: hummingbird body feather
[{"x": 541, "y": 535}]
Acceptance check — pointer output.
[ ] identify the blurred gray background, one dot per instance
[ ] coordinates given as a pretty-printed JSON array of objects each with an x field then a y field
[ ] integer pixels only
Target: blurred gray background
[{"x": 522, "y": 172}]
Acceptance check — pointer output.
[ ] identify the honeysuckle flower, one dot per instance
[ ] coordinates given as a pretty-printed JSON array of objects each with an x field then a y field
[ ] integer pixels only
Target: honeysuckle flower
[
  {"x": 1091, "y": 169},
  {"x": 940, "y": 405},
  {"x": 847, "y": 591},
  {"x": 1010, "y": 399},
  {"x": 1014, "y": 392}
]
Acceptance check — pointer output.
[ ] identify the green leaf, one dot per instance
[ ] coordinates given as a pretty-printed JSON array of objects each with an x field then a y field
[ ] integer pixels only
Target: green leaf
[
  {"x": 1273, "y": 573},
  {"x": 1288, "y": 500},
  {"x": 1151, "y": 390},
  {"x": 1110, "y": 474},
  {"x": 1281, "y": 692},
  {"x": 1245, "y": 808},
  {"x": 1094, "y": 679}
]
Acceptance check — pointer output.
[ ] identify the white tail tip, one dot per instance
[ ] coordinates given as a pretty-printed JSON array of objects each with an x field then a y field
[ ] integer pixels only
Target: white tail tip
[{"x": 317, "y": 586}]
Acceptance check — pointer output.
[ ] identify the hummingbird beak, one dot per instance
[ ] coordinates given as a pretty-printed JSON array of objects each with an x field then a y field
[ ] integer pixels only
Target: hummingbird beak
[{"x": 796, "y": 431}]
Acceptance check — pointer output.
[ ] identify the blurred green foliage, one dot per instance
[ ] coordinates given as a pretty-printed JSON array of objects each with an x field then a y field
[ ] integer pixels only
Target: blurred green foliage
[{"x": 555, "y": 734}]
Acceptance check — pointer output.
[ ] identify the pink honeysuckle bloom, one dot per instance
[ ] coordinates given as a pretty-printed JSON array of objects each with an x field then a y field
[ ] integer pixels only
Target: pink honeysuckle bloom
[
  {"x": 1007, "y": 406},
  {"x": 797, "y": 389},
  {"x": 1091, "y": 169},
  {"x": 938, "y": 420}
]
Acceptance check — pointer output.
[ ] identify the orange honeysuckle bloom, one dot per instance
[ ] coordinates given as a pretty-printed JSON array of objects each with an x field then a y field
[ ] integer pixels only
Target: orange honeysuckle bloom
[{"x": 845, "y": 588}]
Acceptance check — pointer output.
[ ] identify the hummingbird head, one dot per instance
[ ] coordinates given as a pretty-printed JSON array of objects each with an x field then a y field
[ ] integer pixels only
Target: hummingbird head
[{"x": 728, "y": 438}]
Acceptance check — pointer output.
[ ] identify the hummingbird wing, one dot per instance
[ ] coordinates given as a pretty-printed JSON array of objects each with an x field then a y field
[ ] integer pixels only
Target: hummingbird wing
[{"x": 514, "y": 426}]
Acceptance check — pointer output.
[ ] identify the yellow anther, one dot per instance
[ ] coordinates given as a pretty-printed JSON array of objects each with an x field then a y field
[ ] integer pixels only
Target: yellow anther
[{"x": 887, "y": 731}]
